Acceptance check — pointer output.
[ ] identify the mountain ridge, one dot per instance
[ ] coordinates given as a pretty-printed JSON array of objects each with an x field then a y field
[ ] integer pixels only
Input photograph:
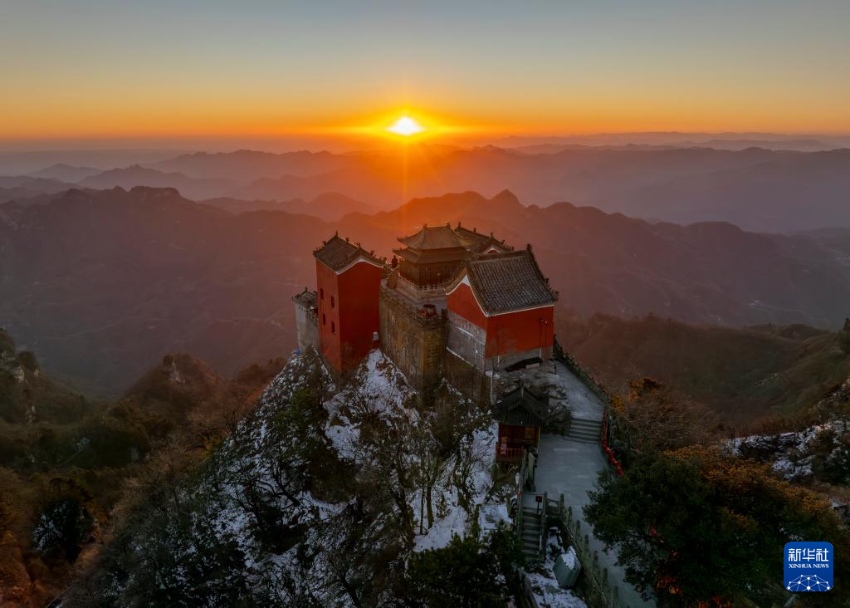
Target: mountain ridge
[
  {"x": 759, "y": 189},
  {"x": 102, "y": 282}
]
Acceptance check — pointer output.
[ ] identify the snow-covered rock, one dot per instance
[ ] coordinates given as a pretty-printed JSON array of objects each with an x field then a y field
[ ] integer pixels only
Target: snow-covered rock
[{"x": 320, "y": 495}]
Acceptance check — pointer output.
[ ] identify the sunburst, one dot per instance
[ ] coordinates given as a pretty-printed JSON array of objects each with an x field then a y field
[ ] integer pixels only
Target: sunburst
[{"x": 406, "y": 126}]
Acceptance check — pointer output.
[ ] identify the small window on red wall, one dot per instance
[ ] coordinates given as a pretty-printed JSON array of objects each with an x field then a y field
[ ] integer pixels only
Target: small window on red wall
[
  {"x": 321, "y": 293},
  {"x": 324, "y": 319},
  {"x": 333, "y": 327},
  {"x": 333, "y": 303}
]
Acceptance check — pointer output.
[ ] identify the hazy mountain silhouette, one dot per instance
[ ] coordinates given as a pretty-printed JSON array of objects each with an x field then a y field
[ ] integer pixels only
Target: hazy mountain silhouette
[
  {"x": 23, "y": 187},
  {"x": 26, "y": 162},
  {"x": 100, "y": 283},
  {"x": 759, "y": 189},
  {"x": 330, "y": 206},
  {"x": 130, "y": 177},
  {"x": 66, "y": 173},
  {"x": 249, "y": 165},
  {"x": 103, "y": 283},
  {"x": 793, "y": 192},
  {"x": 705, "y": 272},
  {"x": 720, "y": 141}
]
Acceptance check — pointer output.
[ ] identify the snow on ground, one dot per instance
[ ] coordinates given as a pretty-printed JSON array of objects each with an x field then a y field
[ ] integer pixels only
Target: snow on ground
[
  {"x": 491, "y": 515},
  {"x": 440, "y": 534},
  {"x": 344, "y": 438},
  {"x": 383, "y": 381},
  {"x": 791, "y": 453},
  {"x": 251, "y": 458},
  {"x": 544, "y": 585},
  {"x": 382, "y": 388},
  {"x": 245, "y": 456},
  {"x": 379, "y": 387},
  {"x": 456, "y": 521}
]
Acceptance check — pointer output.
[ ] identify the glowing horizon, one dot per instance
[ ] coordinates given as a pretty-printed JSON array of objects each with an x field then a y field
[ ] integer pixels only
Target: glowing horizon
[
  {"x": 406, "y": 126},
  {"x": 96, "y": 69}
]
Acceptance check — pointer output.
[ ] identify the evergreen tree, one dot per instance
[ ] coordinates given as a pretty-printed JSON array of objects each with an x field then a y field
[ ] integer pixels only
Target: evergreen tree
[
  {"x": 468, "y": 573},
  {"x": 695, "y": 525}
]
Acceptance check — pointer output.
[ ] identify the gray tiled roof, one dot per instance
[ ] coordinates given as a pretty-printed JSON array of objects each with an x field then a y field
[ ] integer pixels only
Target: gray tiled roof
[
  {"x": 436, "y": 237},
  {"x": 338, "y": 253},
  {"x": 478, "y": 242},
  {"x": 504, "y": 282},
  {"x": 521, "y": 407}
]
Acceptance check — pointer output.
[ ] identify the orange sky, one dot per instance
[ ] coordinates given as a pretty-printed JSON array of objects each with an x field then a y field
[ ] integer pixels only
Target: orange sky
[{"x": 97, "y": 70}]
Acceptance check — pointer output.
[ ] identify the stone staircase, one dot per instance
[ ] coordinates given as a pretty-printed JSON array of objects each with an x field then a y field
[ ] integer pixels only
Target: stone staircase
[
  {"x": 585, "y": 430},
  {"x": 530, "y": 534}
]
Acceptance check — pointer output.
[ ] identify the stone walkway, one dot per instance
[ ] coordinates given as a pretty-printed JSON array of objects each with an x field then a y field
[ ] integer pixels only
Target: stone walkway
[{"x": 571, "y": 467}]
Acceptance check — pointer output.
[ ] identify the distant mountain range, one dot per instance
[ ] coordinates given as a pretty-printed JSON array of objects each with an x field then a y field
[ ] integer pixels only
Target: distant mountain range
[
  {"x": 672, "y": 139},
  {"x": 100, "y": 283},
  {"x": 330, "y": 206},
  {"x": 190, "y": 187},
  {"x": 758, "y": 189},
  {"x": 743, "y": 374},
  {"x": 24, "y": 187},
  {"x": 67, "y": 173}
]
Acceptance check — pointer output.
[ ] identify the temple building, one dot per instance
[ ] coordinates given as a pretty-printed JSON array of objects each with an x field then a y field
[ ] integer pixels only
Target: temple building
[
  {"x": 432, "y": 257},
  {"x": 348, "y": 280},
  {"x": 501, "y": 311},
  {"x": 452, "y": 299},
  {"x": 520, "y": 414}
]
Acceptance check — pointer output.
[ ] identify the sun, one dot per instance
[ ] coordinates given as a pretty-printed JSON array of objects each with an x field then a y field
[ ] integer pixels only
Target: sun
[{"x": 406, "y": 127}]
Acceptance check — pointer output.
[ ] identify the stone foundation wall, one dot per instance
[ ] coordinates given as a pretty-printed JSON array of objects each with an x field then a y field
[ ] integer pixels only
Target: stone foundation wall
[
  {"x": 467, "y": 379},
  {"x": 416, "y": 344}
]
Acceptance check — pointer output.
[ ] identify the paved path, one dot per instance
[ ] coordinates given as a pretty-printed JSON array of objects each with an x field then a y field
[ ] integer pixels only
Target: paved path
[{"x": 570, "y": 467}]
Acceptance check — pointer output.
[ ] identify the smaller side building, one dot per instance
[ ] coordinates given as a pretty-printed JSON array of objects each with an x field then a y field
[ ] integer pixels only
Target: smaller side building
[
  {"x": 501, "y": 311},
  {"x": 520, "y": 415},
  {"x": 348, "y": 281},
  {"x": 306, "y": 319}
]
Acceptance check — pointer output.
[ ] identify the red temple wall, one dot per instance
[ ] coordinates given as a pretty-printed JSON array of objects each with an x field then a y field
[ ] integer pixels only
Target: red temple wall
[
  {"x": 507, "y": 333},
  {"x": 358, "y": 310},
  {"x": 327, "y": 287},
  {"x": 520, "y": 331}
]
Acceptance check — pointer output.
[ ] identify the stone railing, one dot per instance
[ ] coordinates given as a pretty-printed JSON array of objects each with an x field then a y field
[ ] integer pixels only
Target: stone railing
[
  {"x": 582, "y": 374},
  {"x": 604, "y": 396},
  {"x": 436, "y": 291},
  {"x": 606, "y": 590}
]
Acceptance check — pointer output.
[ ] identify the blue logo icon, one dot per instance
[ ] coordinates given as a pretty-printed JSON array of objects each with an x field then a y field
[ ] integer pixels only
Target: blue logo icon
[{"x": 809, "y": 567}]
